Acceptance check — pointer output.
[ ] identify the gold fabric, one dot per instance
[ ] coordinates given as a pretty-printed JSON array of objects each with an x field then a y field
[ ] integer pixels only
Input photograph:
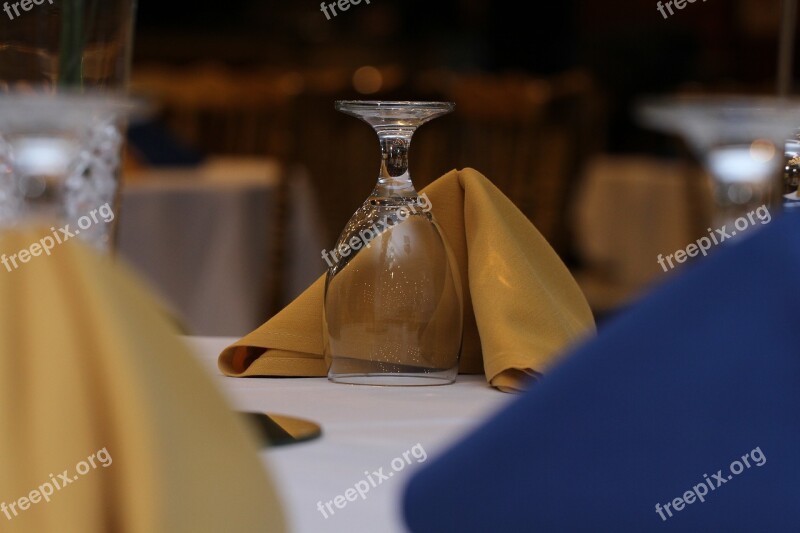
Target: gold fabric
[
  {"x": 89, "y": 364},
  {"x": 522, "y": 308}
]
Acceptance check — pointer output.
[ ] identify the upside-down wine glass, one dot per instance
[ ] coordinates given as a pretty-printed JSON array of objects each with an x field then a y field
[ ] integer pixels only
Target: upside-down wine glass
[{"x": 393, "y": 306}]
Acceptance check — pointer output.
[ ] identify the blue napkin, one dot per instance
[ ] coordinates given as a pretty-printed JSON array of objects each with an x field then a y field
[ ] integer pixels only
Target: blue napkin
[{"x": 682, "y": 415}]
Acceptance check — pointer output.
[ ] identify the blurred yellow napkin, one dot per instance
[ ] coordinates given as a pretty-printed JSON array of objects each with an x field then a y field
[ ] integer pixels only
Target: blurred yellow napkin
[
  {"x": 99, "y": 397},
  {"x": 522, "y": 306}
]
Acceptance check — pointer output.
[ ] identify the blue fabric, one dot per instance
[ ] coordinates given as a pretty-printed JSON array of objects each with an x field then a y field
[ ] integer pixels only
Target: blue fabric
[
  {"x": 154, "y": 143},
  {"x": 700, "y": 373}
]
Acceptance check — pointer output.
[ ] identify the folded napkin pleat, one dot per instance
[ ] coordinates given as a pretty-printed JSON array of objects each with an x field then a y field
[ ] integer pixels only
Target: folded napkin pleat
[
  {"x": 522, "y": 307},
  {"x": 90, "y": 366}
]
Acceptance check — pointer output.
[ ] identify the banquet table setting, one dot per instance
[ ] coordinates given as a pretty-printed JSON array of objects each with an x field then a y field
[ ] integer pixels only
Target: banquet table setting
[
  {"x": 220, "y": 227},
  {"x": 236, "y": 300}
]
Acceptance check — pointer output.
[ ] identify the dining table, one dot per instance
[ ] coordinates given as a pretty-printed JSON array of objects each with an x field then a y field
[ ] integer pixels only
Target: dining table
[
  {"x": 220, "y": 243},
  {"x": 374, "y": 439}
]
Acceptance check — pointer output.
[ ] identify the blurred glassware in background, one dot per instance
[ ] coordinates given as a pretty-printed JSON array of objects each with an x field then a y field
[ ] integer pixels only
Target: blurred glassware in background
[
  {"x": 64, "y": 70},
  {"x": 791, "y": 173},
  {"x": 60, "y": 160},
  {"x": 393, "y": 306},
  {"x": 740, "y": 140}
]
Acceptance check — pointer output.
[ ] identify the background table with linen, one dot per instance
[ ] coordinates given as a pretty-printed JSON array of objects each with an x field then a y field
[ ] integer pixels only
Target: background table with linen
[{"x": 225, "y": 244}]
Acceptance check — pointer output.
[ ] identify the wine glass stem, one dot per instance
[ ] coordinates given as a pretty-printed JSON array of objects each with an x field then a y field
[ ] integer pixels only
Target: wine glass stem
[{"x": 394, "y": 179}]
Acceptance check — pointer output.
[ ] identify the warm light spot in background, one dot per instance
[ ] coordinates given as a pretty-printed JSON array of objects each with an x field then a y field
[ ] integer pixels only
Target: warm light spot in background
[
  {"x": 367, "y": 80},
  {"x": 762, "y": 150},
  {"x": 291, "y": 83}
]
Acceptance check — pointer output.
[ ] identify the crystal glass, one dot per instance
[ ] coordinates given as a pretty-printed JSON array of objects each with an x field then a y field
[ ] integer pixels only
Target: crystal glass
[
  {"x": 741, "y": 141},
  {"x": 791, "y": 171},
  {"x": 60, "y": 162},
  {"x": 393, "y": 299},
  {"x": 64, "y": 69}
]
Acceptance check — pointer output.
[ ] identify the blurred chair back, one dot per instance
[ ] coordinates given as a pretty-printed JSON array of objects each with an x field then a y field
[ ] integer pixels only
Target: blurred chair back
[
  {"x": 530, "y": 136},
  {"x": 221, "y": 111}
]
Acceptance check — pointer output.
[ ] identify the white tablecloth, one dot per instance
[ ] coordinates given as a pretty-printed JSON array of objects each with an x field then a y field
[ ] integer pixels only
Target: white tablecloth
[
  {"x": 364, "y": 429},
  {"x": 629, "y": 210},
  {"x": 205, "y": 239}
]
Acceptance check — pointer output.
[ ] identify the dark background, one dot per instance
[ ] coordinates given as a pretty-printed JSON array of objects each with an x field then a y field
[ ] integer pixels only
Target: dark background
[
  {"x": 627, "y": 46},
  {"x": 542, "y": 89}
]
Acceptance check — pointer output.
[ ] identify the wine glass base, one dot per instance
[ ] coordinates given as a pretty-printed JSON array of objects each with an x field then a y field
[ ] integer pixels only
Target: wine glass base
[{"x": 396, "y": 380}]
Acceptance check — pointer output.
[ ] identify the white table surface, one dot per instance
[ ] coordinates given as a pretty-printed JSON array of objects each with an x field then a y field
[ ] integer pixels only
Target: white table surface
[{"x": 364, "y": 428}]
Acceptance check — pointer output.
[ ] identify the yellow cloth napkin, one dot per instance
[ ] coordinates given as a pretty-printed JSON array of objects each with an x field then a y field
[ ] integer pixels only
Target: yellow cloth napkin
[
  {"x": 96, "y": 387},
  {"x": 522, "y": 307}
]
